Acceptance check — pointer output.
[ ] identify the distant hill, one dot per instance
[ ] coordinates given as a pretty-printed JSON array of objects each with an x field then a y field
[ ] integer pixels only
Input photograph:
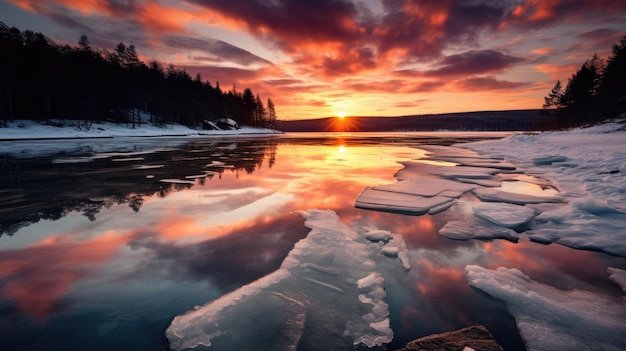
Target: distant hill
[{"x": 513, "y": 120}]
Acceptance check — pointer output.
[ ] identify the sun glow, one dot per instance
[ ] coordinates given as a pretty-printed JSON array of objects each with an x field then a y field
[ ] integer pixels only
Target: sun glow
[{"x": 341, "y": 115}]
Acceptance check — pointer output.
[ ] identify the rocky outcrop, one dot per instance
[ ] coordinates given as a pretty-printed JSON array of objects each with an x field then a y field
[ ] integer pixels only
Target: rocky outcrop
[{"x": 471, "y": 338}]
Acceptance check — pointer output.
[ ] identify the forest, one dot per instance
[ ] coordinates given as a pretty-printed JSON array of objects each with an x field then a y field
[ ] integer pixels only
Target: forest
[
  {"x": 597, "y": 91},
  {"x": 41, "y": 80}
]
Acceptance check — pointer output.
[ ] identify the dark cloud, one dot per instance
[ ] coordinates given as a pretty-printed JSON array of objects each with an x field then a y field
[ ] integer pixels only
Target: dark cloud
[
  {"x": 600, "y": 33},
  {"x": 424, "y": 28},
  {"x": 290, "y": 22},
  {"x": 217, "y": 50},
  {"x": 226, "y": 75},
  {"x": 487, "y": 83},
  {"x": 429, "y": 86},
  {"x": 389, "y": 86},
  {"x": 283, "y": 82},
  {"x": 474, "y": 62},
  {"x": 409, "y": 104},
  {"x": 355, "y": 61}
]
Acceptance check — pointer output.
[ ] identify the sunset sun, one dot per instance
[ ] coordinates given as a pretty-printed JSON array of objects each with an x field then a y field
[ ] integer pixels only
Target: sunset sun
[{"x": 341, "y": 115}]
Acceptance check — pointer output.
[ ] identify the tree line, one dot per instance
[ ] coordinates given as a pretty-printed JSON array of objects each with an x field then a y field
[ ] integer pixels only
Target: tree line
[
  {"x": 41, "y": 80},
  {"x": 597, "y": 91}
]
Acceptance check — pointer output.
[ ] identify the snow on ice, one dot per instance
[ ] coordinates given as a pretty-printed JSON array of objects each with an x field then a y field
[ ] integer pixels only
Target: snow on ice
[
  {"x": 327, "y": 281},
  {"x": 587, "y": 166},
  {"x": 553, "y": 319}
]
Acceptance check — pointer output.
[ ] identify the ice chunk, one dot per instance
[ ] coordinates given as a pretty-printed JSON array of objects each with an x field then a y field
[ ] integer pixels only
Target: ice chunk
[
  {"x": 553, "y": 319},
  {"x": 491, "y": 194},
  {"x": 373, "y": 199},
  {"x": 327, "y": 281},
  {"x": 503, "y": 214},
  {"x": 373, "y": 279},
  {"x": 390, "y": 250},
  {"x": 427, "y": 187},
  {"x": 378, "y": 235},
  {"x": 476, "y": 228},
  {"x": 475, "y": 161},
  {"x": 177, "y": 181},
  {"x": 440, "y": 208},
  {"x": 147, "y": 166},
  {"x": 419, "y": 169},
  {"x": 403, "y": 253},
  {"x": 393, "y": 247},
  {"x": 618, "y": 276}
]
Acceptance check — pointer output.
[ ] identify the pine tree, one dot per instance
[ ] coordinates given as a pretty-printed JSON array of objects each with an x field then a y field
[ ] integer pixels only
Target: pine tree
[
  {"x": 579, "y": 98},
  {"x": 271, "y": 114},
  {"x": 612, "y": 92},
  {"x": 553, "y": 100}
]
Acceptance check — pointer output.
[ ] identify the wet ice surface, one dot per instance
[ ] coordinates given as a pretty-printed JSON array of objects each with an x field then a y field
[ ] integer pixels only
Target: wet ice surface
[
  {"x": 327, "y": 284},
  {"x": 554, "y": 319}
]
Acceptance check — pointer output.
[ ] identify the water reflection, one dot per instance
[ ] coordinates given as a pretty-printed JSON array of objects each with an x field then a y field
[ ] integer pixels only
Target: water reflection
[
  {"x": 88, "y": 182},
  {"x": 103, "y": 254}
]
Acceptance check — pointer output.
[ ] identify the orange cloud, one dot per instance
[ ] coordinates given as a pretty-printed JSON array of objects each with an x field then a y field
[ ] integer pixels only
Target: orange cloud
[{"x": 542, "y": 51}]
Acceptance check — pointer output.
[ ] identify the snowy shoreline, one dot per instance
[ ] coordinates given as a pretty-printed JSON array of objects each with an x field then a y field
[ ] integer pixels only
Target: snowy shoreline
[{"x": 31, "y": 130}]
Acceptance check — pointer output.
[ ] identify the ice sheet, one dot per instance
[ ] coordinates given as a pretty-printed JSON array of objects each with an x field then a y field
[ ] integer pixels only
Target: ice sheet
[
  {"x": 588, "y": 166},
  {"x": 553, "y": 319},
  {"x": 328, "y": 281}
]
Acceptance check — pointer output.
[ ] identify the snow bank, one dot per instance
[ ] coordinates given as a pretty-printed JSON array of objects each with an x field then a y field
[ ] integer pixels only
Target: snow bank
[
  {"x": 553, "y": 319},
  {"x": 26, "y": 129},
  {"x": 328, "y": 281}
]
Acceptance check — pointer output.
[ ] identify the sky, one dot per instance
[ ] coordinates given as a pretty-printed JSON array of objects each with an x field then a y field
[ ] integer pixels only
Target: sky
[{"x": 320, "y": 58}]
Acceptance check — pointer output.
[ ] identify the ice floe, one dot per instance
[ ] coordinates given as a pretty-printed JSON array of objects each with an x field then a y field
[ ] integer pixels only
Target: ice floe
[
  {"x": 553, "y": 319},
  {"x": 327, "y": 281}
]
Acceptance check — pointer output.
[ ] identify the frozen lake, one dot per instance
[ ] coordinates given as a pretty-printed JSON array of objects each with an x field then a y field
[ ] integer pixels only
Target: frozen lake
[{"x": 105, "y": 242}]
